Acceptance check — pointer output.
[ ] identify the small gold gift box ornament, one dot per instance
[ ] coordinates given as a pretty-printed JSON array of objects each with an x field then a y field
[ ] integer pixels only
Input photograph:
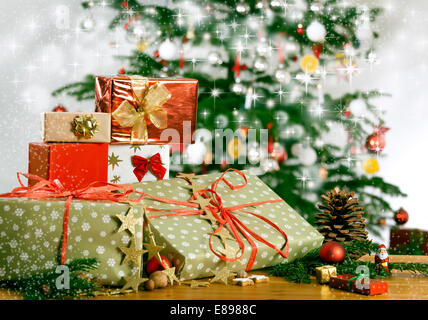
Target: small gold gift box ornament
[{"x": 324, "y": 273}]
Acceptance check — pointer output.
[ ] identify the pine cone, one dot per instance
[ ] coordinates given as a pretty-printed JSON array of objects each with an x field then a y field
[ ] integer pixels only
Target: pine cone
[{"x": 341, "y": 218}]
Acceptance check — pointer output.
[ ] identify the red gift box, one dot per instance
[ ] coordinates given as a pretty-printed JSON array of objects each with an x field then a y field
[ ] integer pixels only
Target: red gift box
[
  {"x": 75, "y": 165},
  {"x": 142, "y": 108},
  {"x": 370, "y": 288},
  {"x": 402, "y": 237}
]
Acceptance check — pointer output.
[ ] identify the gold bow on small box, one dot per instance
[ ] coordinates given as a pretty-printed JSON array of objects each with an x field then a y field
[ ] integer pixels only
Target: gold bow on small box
[
  {"x": 149, "y": 108},
  {"x": 324, "y": 273}
]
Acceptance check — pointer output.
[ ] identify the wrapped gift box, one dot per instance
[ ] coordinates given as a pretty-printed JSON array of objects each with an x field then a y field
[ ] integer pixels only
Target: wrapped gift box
[
  {"x": 145, "y": 107},
  {"x": 129, "y": 163},
  {"x": 414, "y": 239},
  {"x": 186, "y": 236},
  {"x": 74, "y": 164},
  {"x": 31, "y": 233},
  {"x": 344, "y": 282},
  {"x": 324, "y": 273},
  {"x": 75, "y": 127}
]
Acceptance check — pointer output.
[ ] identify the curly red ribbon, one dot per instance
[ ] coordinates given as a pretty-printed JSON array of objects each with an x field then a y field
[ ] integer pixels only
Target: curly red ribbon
[
  {"x": 225, "y": 216},
  {"x": 142, "y": 165},
  {"x": 54, "y": 189}
]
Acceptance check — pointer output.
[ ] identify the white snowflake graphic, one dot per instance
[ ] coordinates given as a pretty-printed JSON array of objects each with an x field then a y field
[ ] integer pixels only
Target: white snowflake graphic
[
  {"x": 78, "y": 206},
  {"x": 125, "y": 239},
  {"x": 38, "y": 233},
  {"x": 24, "y": 256},
  {"x": 19, "y": 212},
  {"x": 6, "y": 207},
  {"x": 85, "y": 253},
  {"x": 106, "y": 219},
  {"x": 100, "y": 249},
  {"x": 54, "y": 214},
  {"x": 13, "y": 244},
  {"x": 86, "y": 226},
  {"x": 78, "y": 238},
  {"x": 111, "y": 262}
]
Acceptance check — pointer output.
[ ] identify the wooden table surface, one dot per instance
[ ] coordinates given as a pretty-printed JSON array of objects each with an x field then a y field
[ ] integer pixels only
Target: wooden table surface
[{"x": 402, "y": 286}]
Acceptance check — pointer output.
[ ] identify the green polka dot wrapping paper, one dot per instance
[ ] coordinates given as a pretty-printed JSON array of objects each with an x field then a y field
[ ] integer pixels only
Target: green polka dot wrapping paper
[
  {"x": 186, "y": 237},
  {"x": 31, "y": 233}
]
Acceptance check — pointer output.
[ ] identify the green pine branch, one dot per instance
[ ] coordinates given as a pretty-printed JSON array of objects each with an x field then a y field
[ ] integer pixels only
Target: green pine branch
[{"x": 43, "y": 286}]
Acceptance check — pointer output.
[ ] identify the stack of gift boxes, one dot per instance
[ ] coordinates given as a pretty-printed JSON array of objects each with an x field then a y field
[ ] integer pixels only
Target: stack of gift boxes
[
  {"x": 122, "y": 141},
  {"x": 127, "y": 140}
]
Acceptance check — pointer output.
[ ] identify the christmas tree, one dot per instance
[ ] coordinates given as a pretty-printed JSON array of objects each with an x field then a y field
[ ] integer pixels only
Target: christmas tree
[{"x": 262, "y": 65}]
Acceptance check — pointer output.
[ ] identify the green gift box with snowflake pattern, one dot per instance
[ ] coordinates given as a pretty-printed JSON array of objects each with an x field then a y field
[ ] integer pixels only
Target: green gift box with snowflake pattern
[
  {"x": 186, "y": 237},
  {"x": 31, "y": 234}
]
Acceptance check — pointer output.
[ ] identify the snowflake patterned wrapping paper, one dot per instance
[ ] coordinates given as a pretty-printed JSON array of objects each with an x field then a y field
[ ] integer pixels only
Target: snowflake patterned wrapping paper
[
  {"x": 31, "y": 232},
  {"x": 121, "y": 167},
  {"x": 187, "y": 236}
]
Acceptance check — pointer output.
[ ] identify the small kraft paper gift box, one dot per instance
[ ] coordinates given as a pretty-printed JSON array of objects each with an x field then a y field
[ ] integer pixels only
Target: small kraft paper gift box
[
  {"x": 365, "y": 286},
  {"x": 34, "y": 236},
  {"x": 136, "y": 163},
  {"x": 148, "y": 110},
  {"x": 324, "y": 273},
  {"x": 209, "y": 220},
  {"x": 74, "y": 164},
  {"x": 89, "y": 127}
]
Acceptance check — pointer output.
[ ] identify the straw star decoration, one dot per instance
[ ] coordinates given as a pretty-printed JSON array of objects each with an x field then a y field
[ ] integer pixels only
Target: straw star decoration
[
  {"x": 224, "y": 235},
  {"x": 209, "y": 216},
  {"x": 152, "y": 248},
  {"x": 195, "y": 187},
  {"x": 128, "y": 221},
  {"x": 196, "y": 284},
  {"x": 185, "y": 175},
  {"x": 133, "y": 282},
  {"x": 222, "y": 275},
  {"x": 203, "y": 202},
  {"x": 132, "y": 254},
  {"x": 170, "y": 273}
]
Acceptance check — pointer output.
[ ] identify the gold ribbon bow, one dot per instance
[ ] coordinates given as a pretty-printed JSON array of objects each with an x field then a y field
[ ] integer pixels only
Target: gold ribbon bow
[{"x": 149, "y": 108}]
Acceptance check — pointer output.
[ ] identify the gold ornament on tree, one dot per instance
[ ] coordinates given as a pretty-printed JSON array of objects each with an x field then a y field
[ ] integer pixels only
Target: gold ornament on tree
[{"x": 341, "y": 217}]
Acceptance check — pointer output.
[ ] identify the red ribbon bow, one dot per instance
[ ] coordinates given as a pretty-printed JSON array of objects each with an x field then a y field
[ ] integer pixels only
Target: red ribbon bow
[
  {"x": 54, "y": 189},
  {"x": 225, "y": 216},
  {"x": 142, "y": 165}
]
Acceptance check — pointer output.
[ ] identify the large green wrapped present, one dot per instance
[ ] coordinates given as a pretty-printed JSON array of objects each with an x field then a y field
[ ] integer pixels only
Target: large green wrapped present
[
  {"x": 240, "y": 202},
  {"x": 31, "y": 236}
]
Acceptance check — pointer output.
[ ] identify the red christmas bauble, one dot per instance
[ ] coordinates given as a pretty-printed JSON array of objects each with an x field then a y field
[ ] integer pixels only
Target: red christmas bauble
[
  {"x": 154, "y": 265},
  {"x": 59, "y": 108},
  {"x": 317, "y": 50},
  {"x": 332, "y": 252},
  {"x": 300, "y": 29},
  {"x": 401, "y": 216},
  {"x": 375, "y": 142},
  {"x": 278, "y": 152}
]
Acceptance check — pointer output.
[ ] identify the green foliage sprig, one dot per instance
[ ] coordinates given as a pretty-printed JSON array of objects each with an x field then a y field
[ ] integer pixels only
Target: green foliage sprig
[
  {"x": 300, "y": 270},
  {"x": 43, "y": 286}
]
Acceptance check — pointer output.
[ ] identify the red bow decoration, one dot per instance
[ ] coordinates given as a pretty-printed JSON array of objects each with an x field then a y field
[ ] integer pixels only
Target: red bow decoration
[
  {"x": 142, "y": 165},
  {"x": 54, "y": 189}
]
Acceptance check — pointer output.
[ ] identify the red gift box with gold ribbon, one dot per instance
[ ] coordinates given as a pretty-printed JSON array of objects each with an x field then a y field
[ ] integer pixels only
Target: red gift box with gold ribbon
[{"x": 142, "y": 108}]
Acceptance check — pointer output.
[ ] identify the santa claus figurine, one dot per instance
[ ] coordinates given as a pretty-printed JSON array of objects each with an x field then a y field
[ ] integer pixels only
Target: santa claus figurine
[{"x": 381, "y": 260}]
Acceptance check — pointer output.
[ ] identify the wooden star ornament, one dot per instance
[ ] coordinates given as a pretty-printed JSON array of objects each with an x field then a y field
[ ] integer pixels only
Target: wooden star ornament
[
  {"x": 185, "y": 175},
  {"x": 196, "y": 284},
  {"x": 132, "y": 254},
  {"x": 128, "y": 221},
  {"x": 133, "y": 282},
  {"x": 152, "y": 248},
  {"x": 222, "y": 275},
  {"x": 170, "y": 273}
]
